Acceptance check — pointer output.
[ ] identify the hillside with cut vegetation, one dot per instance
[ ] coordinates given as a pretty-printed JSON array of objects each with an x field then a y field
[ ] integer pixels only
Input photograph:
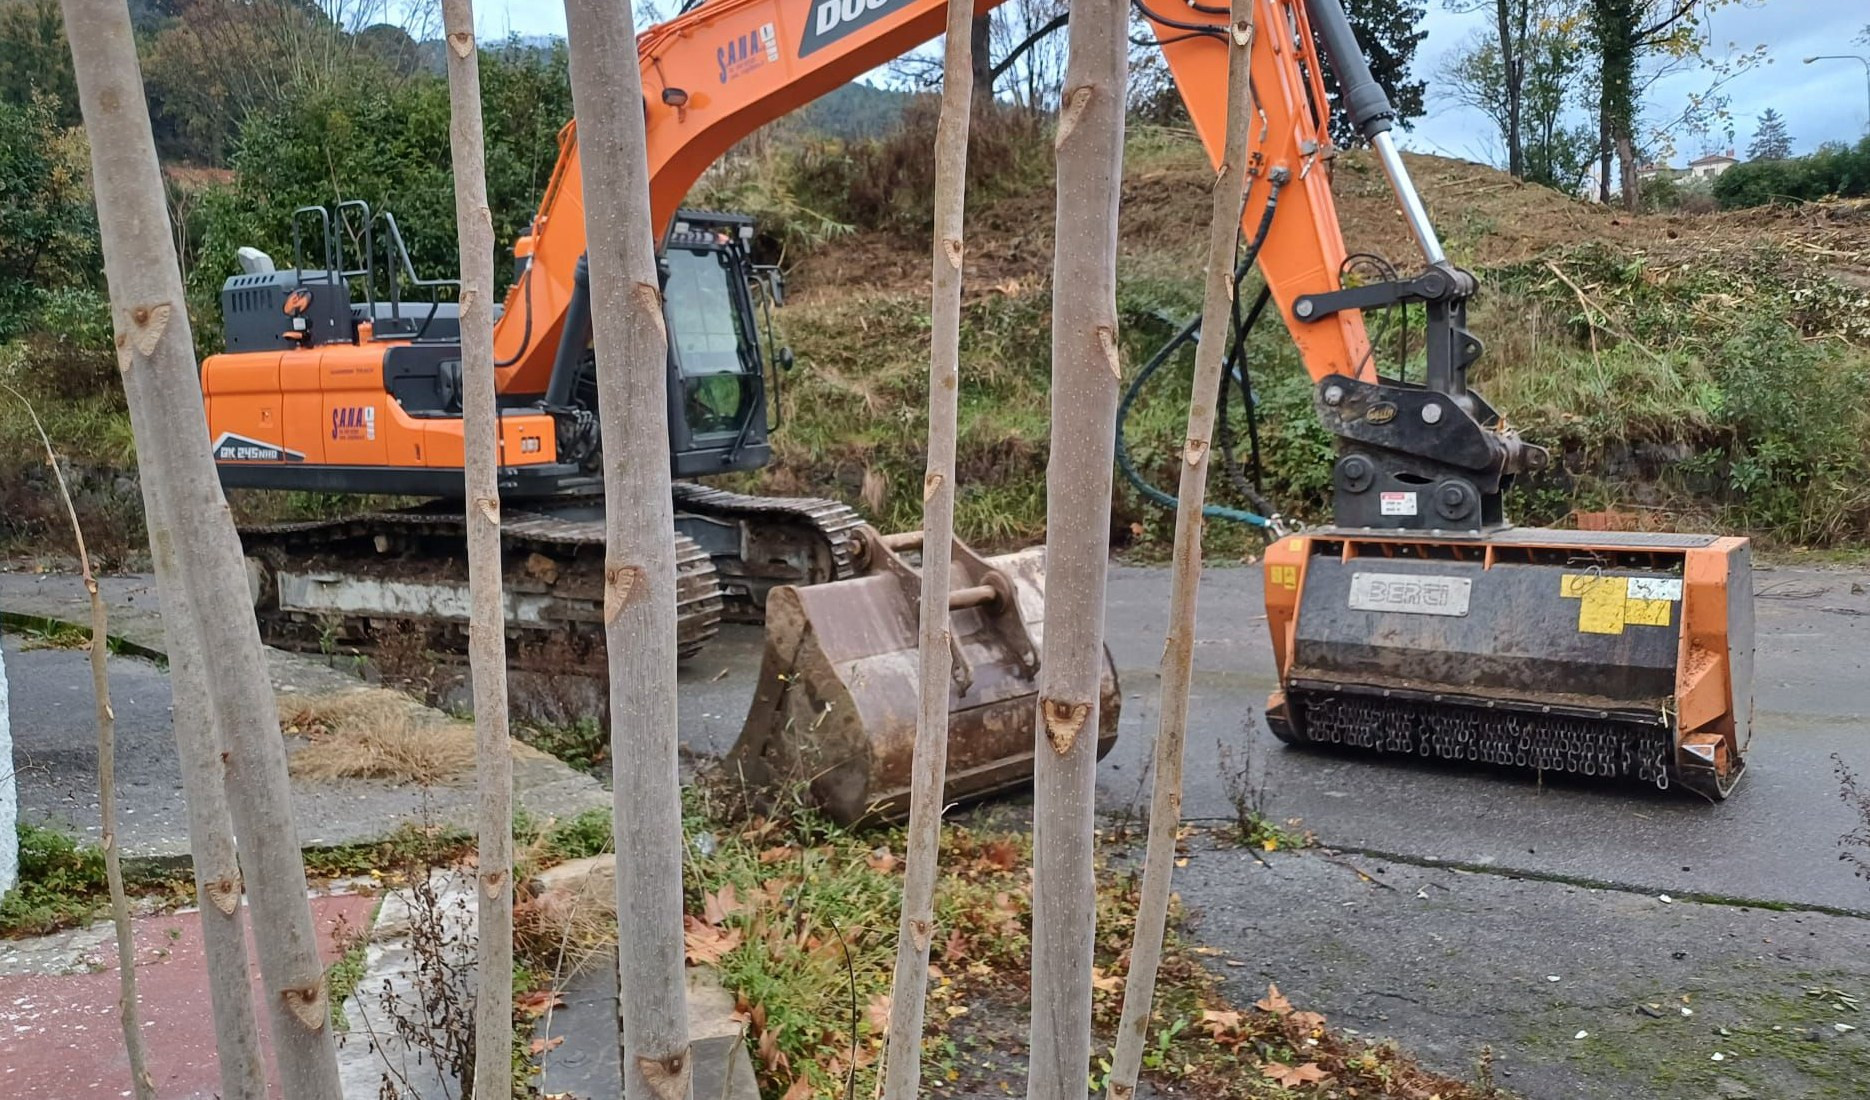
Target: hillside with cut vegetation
[{"x": 1693, "y": 370}]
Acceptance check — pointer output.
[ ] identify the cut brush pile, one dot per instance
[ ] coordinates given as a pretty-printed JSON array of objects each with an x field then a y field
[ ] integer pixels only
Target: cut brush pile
[{"x": 375, "y": 734}]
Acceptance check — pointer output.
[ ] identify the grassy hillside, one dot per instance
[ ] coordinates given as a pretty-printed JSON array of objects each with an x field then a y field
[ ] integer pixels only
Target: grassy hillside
[{"x": 1693, "y": 370}]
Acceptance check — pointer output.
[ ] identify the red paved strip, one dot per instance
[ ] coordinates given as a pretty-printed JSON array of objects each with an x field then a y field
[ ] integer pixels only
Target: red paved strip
[{"x": 59, "y": 1034}]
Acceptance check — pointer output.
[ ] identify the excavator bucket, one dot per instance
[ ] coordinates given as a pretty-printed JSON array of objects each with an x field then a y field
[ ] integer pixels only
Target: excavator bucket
[
  {"x": 1625, "y": 656},
  {"x": 835, "y": 708}
]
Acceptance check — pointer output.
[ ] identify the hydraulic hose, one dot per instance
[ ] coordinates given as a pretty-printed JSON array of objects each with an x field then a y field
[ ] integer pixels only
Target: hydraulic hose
[
  {"x": 1236, "y": 370},
  {"x": 1130, "y": 474},
  {"x": 1150, "y": 492}
]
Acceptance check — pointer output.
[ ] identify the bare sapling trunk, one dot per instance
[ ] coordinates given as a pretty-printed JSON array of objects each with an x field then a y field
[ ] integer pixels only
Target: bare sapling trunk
[
  {"x": 480, "y": 416},
  {"x": 1178, "y": 652},
  {"x": 1086, "y": 369},
  {"x": 909, "y": 988},
  {"x": 639, "y": 567},
  {"x": 141, "y": 1083},
  {"x": 191, "y": 521},
  {"x": 210, "y": 835}
]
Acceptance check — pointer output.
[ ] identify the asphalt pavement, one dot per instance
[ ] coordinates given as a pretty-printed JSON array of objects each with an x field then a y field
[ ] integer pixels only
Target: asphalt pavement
[{"x": 1775, "y": 840}]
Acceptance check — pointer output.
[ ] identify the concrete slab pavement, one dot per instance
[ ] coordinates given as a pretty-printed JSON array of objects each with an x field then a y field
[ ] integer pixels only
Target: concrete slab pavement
[{"x": 56, "y": 758}]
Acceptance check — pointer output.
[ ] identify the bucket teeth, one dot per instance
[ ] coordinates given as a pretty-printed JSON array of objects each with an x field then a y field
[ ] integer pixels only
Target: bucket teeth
[{"x": 835, "y": 707}]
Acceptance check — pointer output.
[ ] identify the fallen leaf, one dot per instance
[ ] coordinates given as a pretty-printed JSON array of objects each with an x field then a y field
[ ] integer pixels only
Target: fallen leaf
[
  {"x": 538, "y": 1002},
  {"x": 771, "y": 1056},
  {"x": 779, "y": 855},
  {"x": 1003, "y": 854},
  {"x": 1274, "y": 1002},
  {"x": 957, "y": 946},
  {"x": 722, "y": 904},
  {"x": 881, "y": 860},
  {"x": 1293, "y": 1076},
  {"x": 878, "y": 1014},
  {"x": 1220, "y": 1025},
  {"x": 1308, "y": 1021},
  {"x": 801, "y": 1090},
  {"x": 1107, "y": 983},
  {"x": 707, "y": 944},
  {"x": 540, "y": 1046}
]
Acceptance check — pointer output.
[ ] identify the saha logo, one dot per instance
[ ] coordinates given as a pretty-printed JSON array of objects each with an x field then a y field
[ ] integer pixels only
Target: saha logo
[
  {"x": 746, "y": 53},
  {"x": 354, "y": 422},
  {"x": 833, "y": 19}
]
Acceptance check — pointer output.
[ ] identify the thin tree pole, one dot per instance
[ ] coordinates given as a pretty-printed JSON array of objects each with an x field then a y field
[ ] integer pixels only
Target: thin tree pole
[
  {"x": 480, "y": 415},
  {"x": 218, "y": 887},
  {"x": 639, "y": 565},
  {"x": 156, "y": 357},
  {"x": 1165, "y": 809},
  {"x": 141, "y": 1083},
  {"x": 1086, "y": 369},
  {"x": 909, "y": 988}
]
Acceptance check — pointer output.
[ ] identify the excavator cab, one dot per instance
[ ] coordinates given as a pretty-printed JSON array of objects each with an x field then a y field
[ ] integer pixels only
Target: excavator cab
[{"x": 719, "y": 408}]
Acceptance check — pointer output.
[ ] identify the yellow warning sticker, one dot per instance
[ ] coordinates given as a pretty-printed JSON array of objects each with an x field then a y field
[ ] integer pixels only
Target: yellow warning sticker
[
  {"x": 1607, "y": 604},
  {"x": 1285, "y": 576},
  {"x": 1646, "y": 612},
  {"x": 1600, "y": 605}
]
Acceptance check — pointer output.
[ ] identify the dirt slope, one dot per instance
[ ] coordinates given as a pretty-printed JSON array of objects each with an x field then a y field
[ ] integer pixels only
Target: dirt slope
[{"x": 1487, "y": 219}]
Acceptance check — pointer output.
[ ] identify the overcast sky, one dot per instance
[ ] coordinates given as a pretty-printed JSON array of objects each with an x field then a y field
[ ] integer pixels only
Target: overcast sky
[{"x": 1826, "y": 101}]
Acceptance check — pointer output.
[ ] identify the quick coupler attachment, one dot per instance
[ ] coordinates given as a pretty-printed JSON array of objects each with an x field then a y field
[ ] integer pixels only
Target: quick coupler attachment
[{"x": 1625, "y": 656}]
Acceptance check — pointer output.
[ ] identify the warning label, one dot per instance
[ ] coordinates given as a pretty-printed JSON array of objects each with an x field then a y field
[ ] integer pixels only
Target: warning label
[
  {"x": 1398, "y": 504},
  {"x": 1608, "y": 604}
]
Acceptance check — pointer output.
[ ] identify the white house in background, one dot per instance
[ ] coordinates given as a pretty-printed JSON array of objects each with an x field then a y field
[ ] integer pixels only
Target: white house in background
[
  {"x": 1710, "y": 166},
  {"x": 9, "y": 798}
]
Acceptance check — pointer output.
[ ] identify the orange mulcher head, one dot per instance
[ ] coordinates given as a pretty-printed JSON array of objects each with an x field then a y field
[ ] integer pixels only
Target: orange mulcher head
[{"x": 1623, "y": 656}]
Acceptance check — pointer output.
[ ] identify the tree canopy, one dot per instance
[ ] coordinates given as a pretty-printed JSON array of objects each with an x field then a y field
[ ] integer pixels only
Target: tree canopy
[{"x": 1771, "y": 141}]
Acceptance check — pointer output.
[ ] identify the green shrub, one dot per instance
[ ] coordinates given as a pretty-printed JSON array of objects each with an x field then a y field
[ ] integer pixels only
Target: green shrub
[
  {"x": 60, "y": 883},
  {"x": 48, "y": 232},
  {"x": 1835, "y": 169},
  {"x": 889, "y": 182}
]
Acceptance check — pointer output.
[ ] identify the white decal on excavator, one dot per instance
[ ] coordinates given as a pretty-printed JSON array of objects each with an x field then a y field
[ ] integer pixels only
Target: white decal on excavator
[
  {"x": 238, "y": 448},
  {"x": 833, "y": 19}
]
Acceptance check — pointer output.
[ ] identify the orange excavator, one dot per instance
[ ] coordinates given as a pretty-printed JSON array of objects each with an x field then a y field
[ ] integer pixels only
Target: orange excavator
[{"x": 1420, "y": 623}]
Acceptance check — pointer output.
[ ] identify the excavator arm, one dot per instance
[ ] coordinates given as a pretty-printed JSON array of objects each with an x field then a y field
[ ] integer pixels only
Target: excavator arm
[{"x": 714, "y": 75}]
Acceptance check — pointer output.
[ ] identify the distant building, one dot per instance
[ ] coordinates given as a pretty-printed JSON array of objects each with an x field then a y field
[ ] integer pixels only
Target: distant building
[
  {"x": 1648, "y": 172},
  {"x": 1710, "y": 166}
]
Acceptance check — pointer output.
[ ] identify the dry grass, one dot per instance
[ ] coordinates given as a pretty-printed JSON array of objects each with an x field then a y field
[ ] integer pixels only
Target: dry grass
[{"x": 375, "y": 734}]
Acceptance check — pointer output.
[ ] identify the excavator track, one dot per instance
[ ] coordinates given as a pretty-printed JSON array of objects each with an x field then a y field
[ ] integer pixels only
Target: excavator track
[
  {"x": 759, "y": 543},
  {"x": 378, "y": 580}
]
